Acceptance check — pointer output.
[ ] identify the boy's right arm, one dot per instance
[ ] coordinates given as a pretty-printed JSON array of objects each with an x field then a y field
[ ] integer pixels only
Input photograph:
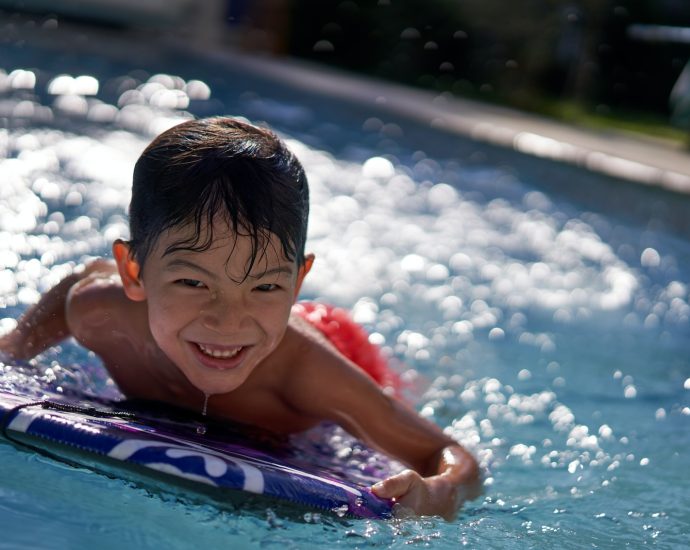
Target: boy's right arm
[{"x": 45, "y": 324}]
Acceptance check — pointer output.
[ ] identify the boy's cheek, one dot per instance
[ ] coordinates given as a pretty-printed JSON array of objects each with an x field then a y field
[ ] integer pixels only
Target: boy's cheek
[{"x": 167, "y": 310}]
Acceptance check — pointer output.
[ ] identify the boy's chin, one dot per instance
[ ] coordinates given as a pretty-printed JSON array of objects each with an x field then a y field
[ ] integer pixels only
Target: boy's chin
[{"x": 215, "y": 387}]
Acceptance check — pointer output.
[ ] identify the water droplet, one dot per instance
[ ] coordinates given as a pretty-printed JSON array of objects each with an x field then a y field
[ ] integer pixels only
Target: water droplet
[
  {"x": 524, "y": 374},
  {"x": 650, "y": 258},
  {"x": 340, "y": 511},
  {"x": 201, "y": 428},
  {"x": 630, "y": 392},
  {"x": 410, "y": 33},
  {"x": 323, "y": 46}
]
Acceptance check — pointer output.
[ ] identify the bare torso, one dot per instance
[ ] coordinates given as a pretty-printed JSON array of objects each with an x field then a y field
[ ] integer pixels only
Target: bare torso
[{"x": 104, "y": 320}]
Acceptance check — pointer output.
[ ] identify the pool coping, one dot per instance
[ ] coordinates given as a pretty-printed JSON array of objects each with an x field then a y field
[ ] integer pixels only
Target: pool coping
[{"x": 612, "y": 153}]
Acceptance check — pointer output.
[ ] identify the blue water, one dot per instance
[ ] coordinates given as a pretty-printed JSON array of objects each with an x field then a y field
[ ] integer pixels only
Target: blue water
[{"x": 540, "y": 313}]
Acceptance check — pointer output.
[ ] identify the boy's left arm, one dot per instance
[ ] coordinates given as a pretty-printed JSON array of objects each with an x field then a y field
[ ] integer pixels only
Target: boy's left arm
[{"x": 442, "y": 473}]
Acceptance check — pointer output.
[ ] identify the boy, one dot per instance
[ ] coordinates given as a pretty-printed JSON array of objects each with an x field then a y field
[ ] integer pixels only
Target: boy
[{"x": 196, "y": 309}]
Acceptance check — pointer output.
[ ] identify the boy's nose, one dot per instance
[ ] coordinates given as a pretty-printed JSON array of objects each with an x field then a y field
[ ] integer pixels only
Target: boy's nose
[{"x": 223, "y": 315}]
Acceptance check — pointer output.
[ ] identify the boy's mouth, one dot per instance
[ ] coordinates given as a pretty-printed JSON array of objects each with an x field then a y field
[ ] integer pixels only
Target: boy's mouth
[
  {"x": 218, "y": 352},
  {"x": 219, "y": 357}
]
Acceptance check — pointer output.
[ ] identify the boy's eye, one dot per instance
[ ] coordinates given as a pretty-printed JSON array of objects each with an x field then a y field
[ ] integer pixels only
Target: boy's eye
[
  {"x": 194, "y": 283},
  {"x": 268, "y": 287}
]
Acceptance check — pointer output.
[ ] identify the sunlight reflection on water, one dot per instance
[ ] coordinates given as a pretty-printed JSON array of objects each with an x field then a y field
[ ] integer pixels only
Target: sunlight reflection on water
[{"x": 529, "y": 326}]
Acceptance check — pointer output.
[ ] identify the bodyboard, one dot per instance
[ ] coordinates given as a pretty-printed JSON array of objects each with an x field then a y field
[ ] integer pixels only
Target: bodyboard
[{"x": 186, "y": 451}]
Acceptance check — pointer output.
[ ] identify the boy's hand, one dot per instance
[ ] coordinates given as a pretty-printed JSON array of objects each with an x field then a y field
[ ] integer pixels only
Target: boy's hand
[{"x": 438, "y": 495}]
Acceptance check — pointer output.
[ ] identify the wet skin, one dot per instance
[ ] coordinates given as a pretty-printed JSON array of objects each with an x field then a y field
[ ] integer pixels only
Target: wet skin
[{"x": 191, "y": 324}]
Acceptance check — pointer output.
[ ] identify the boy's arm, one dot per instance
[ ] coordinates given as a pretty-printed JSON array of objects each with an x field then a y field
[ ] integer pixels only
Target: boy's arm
[
  {"x": 442, "y": 473},
  {"x": 45, "y": 324}
]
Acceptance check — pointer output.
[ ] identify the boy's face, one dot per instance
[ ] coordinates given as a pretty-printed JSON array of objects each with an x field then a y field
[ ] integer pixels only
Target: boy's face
[{"x": 214, "y": 323}]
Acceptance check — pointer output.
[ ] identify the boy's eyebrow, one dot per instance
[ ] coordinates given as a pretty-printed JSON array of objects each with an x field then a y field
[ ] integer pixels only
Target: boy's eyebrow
[
  {"x": 273, "y": 271},
  {"x": 179, "y": 262}
]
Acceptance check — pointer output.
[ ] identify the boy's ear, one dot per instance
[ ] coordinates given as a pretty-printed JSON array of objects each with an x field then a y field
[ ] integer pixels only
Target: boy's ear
[
  {"x": 302, "y": 273},
  {"x": 129, "y": 270}
]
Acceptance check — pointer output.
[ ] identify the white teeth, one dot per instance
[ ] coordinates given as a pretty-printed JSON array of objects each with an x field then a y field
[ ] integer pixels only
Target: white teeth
[{"x": 220, "y": 354}]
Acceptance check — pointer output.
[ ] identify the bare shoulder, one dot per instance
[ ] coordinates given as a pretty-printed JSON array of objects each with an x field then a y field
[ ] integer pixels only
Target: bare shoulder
[
  {"x": 307, "y": 350},
  {"x": 96, "y": 305},
  {"x": 99, "y": 285},
  {"x": 320, "y": 380}
]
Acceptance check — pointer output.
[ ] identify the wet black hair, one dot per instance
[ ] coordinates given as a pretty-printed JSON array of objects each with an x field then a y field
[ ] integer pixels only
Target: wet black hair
[{"x": 201, "y": 169}]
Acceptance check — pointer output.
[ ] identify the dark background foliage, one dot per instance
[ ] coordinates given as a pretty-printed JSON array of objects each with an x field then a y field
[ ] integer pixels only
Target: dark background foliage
[{"x": 522, "y": 53}]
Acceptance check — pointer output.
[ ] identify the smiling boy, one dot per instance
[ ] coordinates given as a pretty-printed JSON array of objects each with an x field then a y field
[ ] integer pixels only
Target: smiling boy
[{"x": 197, "y": 307}]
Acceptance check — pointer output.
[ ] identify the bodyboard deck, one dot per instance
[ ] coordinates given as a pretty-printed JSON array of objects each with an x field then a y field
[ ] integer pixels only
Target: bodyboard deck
[{"x": 223, "y": 460}]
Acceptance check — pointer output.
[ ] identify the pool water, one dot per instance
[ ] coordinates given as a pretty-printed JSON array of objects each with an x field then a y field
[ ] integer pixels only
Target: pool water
[{"x": 539, "y": 313}]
